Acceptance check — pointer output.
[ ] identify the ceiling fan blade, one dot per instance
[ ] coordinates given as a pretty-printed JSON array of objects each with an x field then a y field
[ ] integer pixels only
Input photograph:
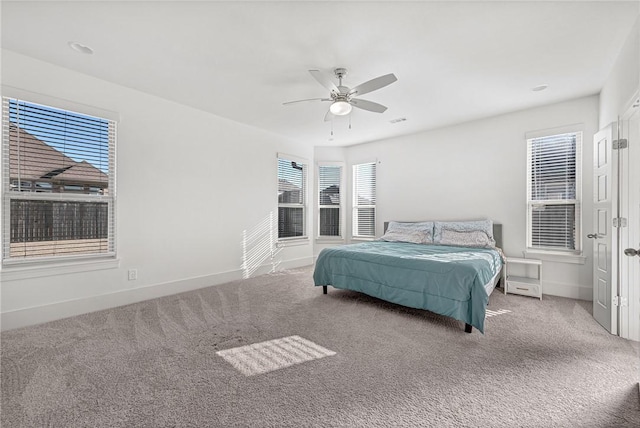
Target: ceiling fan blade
[
  {"x": 309, "y": 99},
  {"x": 368, "y": 105},
  {"x": 372, "y": 85},
  {"x": 324, "y": 80}
]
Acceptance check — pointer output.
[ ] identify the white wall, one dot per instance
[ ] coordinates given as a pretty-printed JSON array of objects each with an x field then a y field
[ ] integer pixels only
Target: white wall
[
  {"x": 478, "y": 170},
  {"x": 623, "y": 81},
  {"x": 189, "y": 185}
]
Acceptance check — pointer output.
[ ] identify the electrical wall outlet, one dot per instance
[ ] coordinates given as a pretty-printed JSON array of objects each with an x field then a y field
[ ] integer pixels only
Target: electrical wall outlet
[{"x": 132, "y": 274}]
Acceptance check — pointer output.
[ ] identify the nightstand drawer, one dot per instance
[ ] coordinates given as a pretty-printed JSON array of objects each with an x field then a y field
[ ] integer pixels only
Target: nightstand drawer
[{"x": 517, "y": 287}]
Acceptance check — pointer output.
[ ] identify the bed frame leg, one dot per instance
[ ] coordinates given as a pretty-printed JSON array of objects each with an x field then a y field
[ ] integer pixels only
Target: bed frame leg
[
  {"x": 467, "y": 328},
  {"x": 324, "y": 289}
]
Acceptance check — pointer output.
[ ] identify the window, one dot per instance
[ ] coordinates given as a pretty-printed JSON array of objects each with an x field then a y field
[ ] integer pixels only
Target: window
[
  {"x": 329, "y": 200},
  {"x": 553, "y": 192},
  {"x": 292, "y": 182},
  {"x": 58, "y": 183},
  {"x": 364, "y": 200}
]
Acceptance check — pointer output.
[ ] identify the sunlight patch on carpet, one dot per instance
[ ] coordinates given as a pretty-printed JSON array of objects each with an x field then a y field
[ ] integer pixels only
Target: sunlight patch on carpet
[
  {"x": 273, "y": 354},
  {"x": 490, "y": 313}
]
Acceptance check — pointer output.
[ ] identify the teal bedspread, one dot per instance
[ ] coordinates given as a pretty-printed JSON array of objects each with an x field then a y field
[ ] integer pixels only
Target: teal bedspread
[{"x": 446, "y": 280}]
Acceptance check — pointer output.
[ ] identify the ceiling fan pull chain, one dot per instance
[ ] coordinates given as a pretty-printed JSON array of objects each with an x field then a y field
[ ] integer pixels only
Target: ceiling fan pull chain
[{"x": 349, "y": 121}]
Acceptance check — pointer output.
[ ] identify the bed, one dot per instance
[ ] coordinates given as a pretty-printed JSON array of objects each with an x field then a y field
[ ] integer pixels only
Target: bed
[{"x": 414, "y": 264}]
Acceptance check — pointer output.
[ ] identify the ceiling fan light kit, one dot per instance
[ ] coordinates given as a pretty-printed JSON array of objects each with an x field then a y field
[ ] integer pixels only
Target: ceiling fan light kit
[
  {"x": 340, "y": 108},
  {"x": 343, "y": 98}
]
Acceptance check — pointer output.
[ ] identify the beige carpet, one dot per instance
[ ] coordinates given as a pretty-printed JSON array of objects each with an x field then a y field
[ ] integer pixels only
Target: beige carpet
[{"x": 155, "y": 364}]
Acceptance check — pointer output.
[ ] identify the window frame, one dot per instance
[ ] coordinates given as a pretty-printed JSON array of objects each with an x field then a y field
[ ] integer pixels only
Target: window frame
[
  {"x": 341, "y": 207},
  {"x": 23, "y": 267},
  {"x": 356, "y": 206},
  {"x": 303, "y": 204},
  {"x": 566, "y": 254}
]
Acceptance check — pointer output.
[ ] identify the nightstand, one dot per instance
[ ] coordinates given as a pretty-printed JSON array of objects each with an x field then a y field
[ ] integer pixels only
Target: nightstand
[{"x": 520, "y": 280}]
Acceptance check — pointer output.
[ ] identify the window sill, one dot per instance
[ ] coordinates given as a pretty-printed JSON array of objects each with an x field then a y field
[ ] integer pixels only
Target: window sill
[
  {"x": 335, "y": 240},
  {"x": 26, "y": 271},
  {"x": 551, "y": 256},
  {"x": 293, "y": 242},
  {"x": 362, "y": 239}
]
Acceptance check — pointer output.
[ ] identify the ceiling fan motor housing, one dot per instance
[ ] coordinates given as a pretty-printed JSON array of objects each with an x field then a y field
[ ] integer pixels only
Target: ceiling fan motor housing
[
  {"x": 342, "y": 95},
  {"x": 340, "y": 72}
]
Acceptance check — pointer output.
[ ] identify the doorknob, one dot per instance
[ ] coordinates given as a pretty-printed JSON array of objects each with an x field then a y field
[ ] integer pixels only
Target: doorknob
[
  {"x": 593, "y": 236},
  {"x": 632, "y": 252}
]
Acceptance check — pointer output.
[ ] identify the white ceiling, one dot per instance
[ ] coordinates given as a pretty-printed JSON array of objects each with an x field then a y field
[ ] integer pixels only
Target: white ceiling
[{"x": 455, "y": 61}]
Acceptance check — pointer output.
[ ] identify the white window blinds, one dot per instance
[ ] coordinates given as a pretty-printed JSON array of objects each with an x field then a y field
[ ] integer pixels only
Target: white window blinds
[
  {"x": 553, "y": 192},
  {"x": 292, "y": 179},
  {"x": 329, "y": 200},
  {"x": 364, "y": 200},
  {"x": 58, "y": 183}
]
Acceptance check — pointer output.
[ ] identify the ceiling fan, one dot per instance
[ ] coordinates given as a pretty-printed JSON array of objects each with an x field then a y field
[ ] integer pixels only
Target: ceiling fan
[{"x": 343, "y": 98}]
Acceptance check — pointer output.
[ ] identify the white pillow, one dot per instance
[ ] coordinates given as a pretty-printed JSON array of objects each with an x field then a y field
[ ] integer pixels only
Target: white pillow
[
  {"x": 475, "y": 238},
  {"x": 485, "y": 226},
  {"x": 416, "y": 233}
]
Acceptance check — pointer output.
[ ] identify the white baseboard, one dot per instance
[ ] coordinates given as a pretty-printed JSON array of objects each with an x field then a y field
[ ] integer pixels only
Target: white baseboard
[
  {"x": 573, "y": 291},
  {"x": 54, "y": 311}
]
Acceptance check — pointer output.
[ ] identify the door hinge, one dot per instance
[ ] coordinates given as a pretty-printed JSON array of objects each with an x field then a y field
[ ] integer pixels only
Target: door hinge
[
  {"x": 620, "y": 222},
  {"x": 620, "y": 301},
  {"x": 622, "y": 143}
]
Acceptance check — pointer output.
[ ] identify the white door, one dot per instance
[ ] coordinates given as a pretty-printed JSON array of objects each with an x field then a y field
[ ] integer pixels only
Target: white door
[
  {"x": 630, "y": 235},
  {"x": 605, "y": 191}
]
